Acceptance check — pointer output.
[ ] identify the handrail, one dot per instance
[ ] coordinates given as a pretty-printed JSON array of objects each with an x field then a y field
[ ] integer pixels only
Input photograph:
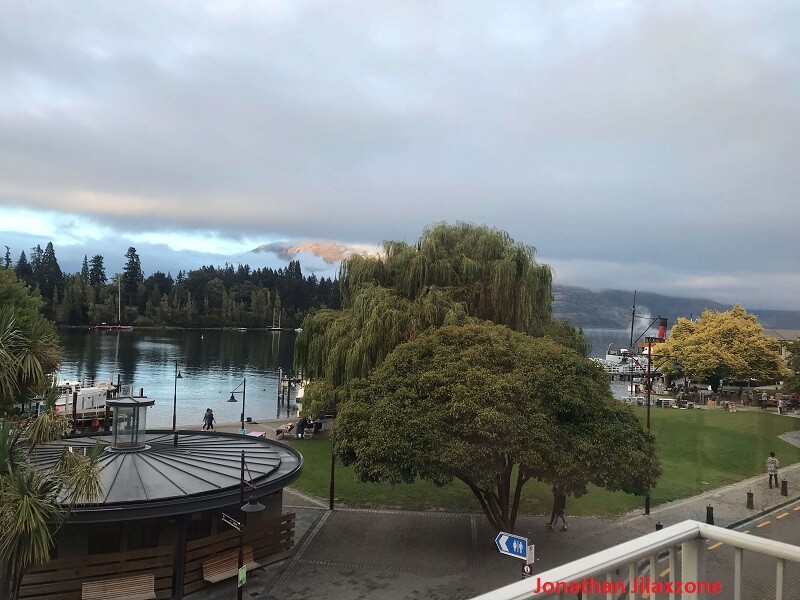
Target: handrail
[{"x": 644, "y": 547}]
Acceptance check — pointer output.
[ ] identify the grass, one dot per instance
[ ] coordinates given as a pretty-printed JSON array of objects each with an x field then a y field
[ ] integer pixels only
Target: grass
[{"x": 699, "y": 450}]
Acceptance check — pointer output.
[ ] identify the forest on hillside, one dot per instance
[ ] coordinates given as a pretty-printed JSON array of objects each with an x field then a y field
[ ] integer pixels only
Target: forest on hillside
[{"x": 210, "y": 296}]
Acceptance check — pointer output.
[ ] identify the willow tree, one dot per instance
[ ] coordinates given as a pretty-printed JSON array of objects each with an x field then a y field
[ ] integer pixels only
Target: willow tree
[
  {"x": 721, "y": 345},
  {"x": 454, "y": 274}
]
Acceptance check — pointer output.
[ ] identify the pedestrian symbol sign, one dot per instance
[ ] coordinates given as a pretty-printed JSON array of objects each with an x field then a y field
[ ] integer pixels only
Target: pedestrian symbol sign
[{"x": 512, "y": 545}]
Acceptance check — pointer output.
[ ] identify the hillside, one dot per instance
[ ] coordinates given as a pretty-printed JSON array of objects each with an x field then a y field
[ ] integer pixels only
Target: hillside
[{"x": 612, "y": 308}]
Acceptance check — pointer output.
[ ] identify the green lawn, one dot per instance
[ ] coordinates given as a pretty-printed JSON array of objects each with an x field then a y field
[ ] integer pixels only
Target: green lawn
[{"x": 699, "y": 449}]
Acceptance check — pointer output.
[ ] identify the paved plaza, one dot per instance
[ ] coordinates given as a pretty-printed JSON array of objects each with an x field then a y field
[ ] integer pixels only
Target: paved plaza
[{"x": 351, "y": 554}]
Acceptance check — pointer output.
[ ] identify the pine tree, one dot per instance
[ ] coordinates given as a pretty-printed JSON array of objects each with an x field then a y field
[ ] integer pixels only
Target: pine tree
[
  {"x": 132, "y": 275},
  {"x": 23, "y": 269},
  {"x": 48, "y": 275},
  {"x": 7, "y": 260},
  {"x": 97, "y": 272},
  {"x": 85, "y": 271}
]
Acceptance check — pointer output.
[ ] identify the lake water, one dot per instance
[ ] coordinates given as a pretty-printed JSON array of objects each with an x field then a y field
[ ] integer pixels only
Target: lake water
[{"x": 212, "y": 364}]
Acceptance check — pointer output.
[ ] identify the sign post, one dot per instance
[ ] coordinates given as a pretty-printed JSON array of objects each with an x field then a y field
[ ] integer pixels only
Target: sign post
[
  {"x": 527, "y": 568},
  {"x": 232, "y": 522},
  {"x": 512, "y": 545}
]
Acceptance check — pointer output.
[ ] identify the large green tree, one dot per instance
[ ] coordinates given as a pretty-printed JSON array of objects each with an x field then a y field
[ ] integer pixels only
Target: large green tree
[
  {"x": 29, "y": 348},
  {"x": 721, "y": 345},
  {"x": 453, "y": 275},
  {"x": 792, "y": 383},
  {"x": 495, "y": 409}
]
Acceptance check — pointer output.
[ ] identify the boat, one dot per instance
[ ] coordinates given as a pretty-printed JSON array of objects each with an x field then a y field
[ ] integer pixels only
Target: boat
[
  {"x": 119, "y": 326},
  {"x": 88, "y": 398},
  {"x": 242, "y": 329}
]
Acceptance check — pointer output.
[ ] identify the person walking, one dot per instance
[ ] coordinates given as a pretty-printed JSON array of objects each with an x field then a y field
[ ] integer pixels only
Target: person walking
[
  {"x": 559, "y": 505},
  {"x": 772, "y": 469},
  {"x": 208, "y": 420},
  {"x": 301, "y": 428},
  {"x": 780, "y": 406}
]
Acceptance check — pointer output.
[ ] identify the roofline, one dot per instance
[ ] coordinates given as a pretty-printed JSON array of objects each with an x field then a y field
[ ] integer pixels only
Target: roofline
[{"x": 182, "y": 505}]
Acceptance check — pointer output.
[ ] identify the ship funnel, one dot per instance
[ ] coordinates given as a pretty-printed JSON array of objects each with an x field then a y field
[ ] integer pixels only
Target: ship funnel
[{"x": 662, "y": 328}]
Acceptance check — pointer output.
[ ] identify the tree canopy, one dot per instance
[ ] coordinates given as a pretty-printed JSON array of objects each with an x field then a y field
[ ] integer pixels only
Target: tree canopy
[
  {"x": 29, "y": 348},
  {"x": 495, "y": 409},
  {"x": 454, "y": 274},
  {"x": 721, "y": 345},
  {"x": 792, "y": 384}
]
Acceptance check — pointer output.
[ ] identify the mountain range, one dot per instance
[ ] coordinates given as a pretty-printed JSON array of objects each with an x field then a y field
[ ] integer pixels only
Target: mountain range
[{"x": 612, "y": 308}]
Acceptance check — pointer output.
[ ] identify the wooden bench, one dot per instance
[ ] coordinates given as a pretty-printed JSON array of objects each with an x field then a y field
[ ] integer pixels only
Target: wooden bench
[
  {"x": 227, "y": 565},
  {"x": 134, "y": 587}
]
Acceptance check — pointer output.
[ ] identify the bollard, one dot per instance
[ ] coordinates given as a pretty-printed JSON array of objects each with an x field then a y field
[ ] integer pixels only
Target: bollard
[
  {"x": 750, "y": 500},
  {"x": 659, "y": 526},
  {"x": 784, "y": 487},
  {"x": 710, "y": 514}
]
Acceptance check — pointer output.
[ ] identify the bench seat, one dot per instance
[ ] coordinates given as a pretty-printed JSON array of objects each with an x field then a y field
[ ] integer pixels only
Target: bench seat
[
  {"x": 227, "y": 565},
  {"x": 133, "y": 587}
]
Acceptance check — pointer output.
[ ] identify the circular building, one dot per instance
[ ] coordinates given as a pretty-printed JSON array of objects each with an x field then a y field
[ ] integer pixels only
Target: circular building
[{"x": 174, "y": 504}]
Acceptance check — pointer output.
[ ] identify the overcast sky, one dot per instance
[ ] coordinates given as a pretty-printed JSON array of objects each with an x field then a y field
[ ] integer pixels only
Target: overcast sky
[{"x": 647, "y": 145}]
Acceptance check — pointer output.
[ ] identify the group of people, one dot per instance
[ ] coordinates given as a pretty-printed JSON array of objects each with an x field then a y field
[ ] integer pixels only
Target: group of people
[{"x": 208, "y": 420}]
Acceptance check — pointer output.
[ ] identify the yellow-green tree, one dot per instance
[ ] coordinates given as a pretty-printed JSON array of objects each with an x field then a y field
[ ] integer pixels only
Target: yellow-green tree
[{"x": 721, "y": 345}]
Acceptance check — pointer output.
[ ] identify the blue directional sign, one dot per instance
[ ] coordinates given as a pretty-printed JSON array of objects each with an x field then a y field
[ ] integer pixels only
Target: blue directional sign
[{"x": 512, "y": 545}]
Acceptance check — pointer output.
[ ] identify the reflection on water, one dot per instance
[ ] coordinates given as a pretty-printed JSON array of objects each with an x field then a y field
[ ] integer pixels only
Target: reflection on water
[{"x": 212, "y": 364}]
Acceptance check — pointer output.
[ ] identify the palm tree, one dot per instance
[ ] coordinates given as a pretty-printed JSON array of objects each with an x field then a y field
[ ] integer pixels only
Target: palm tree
[
  {"x": 34, "y": 503},
  {"x": 29, "y": 350}
]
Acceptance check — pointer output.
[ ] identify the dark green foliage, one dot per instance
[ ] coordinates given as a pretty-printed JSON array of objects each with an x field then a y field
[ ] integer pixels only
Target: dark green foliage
[
  {"x": 97, "y": 272},
  {"x": 238, "y": 297},
  {"x": 493, "y": 408},
  {"x": 24, "y": 270}
]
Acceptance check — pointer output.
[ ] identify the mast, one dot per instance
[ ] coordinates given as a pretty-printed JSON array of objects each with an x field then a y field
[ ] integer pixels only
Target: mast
[
  {"x": 633, "y": 317},
  {"x": 119, "y": 301}
]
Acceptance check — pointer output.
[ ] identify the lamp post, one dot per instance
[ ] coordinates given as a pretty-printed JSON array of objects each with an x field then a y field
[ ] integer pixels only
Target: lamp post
[
  {"x": 649, "y": 381},
  {"x": 175, "y": 406},
  {"x": 242, "y": 385},
  {"x": 252, "y": 506}
]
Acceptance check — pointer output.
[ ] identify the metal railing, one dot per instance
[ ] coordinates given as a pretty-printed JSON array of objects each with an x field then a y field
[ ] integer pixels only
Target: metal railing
[{"x": 688, "y": 536}]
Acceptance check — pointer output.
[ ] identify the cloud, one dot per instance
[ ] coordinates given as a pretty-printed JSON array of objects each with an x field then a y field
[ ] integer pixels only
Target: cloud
[
  {"x": 607, "y": 133},
  {"x": 330, "y": 252}
]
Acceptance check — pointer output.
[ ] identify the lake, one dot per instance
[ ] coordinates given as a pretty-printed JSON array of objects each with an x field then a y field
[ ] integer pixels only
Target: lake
[{"x": 212, "y": 364}]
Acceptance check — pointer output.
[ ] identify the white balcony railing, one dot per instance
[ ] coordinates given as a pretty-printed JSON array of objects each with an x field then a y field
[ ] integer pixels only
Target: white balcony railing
[{"x": 688, "y": 537}]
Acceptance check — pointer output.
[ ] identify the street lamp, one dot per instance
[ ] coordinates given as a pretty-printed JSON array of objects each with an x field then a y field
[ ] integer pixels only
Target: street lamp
[
  {"x": 252, "y": 506},
  {"x": 649, "y": 380},
  {"x": 175, "y": 406},
  {"x": 242, "y": 385}
]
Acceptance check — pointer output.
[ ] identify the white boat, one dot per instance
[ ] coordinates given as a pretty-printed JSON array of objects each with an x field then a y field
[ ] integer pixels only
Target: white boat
[{"x": 88, "y": 399}]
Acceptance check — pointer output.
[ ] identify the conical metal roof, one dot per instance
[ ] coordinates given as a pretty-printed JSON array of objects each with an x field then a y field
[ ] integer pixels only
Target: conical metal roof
[{"x": 201, "y": 472}]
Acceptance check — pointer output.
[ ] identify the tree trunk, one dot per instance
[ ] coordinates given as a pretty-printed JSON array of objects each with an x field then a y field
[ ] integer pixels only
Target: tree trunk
[{"x": 10, "y": 580}]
